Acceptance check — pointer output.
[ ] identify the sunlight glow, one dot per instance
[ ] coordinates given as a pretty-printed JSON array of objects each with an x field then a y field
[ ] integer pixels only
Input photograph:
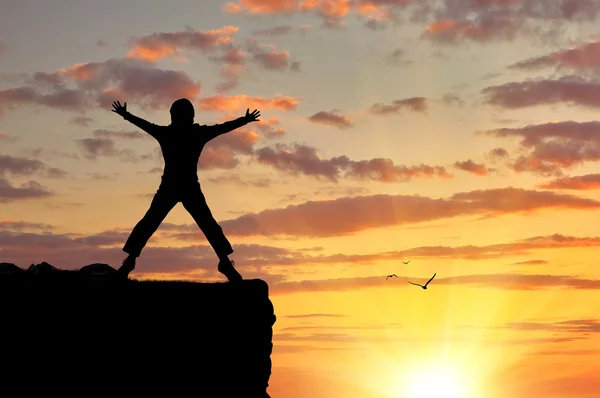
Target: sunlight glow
[{"x": 435, "y": 382}]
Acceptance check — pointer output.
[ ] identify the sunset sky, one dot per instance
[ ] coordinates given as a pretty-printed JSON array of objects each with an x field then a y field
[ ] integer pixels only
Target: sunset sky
[{"x": 461, "y": 135}]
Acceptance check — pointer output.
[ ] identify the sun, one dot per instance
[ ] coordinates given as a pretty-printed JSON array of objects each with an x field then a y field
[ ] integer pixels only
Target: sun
[{"x": 437, "y": 381}]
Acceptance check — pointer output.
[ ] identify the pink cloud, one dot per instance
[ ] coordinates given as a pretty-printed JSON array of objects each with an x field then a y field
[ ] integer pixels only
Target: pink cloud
[
  {"x": 573, "y": 90},
  {"x": 582, "y": 57},
  {"x": 6, "y": 224},
  {"x": 275, "y": 31},
  {"x": 104, "y": 147},
  {"x": 497, "y": 153},
  {"x": 552, "y": 147},
  {"x": 397, "y": 57},
  {"x": 65, "y": 99},
  {"x": 26, "y": 167},
  {"x": 332, "y": 119},
  {"x": 302, "y": 159},
  {"x": 233, "y": 56},
  {"x": 82, "y": 121},
  {"x": 238, "y": 180},
  {"x": 133, "y": 134},
  {"x": 7, "y": 138},
  {"x": 415, "y": 104},
  {"x": 101, "y": 83},
  {"x": 487, "y": 20},
  {"x": 226, "y": 86},
  {"x": 28, "y": 190},
  {"x": 69, "y": 251},
  {"x": 268, "y": 56},
  {"x": 452, "y": 100}
]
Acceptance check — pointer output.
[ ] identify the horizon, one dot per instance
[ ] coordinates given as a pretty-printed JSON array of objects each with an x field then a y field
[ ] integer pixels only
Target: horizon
[{"x": 454, "y": 134}]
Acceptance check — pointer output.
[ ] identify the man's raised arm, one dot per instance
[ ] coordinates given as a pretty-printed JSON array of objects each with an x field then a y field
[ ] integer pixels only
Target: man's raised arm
[
  {"x": 218, "y": 129},
  {"x": 145, "y": 125}
]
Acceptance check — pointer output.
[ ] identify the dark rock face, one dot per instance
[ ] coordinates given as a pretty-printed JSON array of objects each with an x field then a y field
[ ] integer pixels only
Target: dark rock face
[{"x": 85, "y": 332}]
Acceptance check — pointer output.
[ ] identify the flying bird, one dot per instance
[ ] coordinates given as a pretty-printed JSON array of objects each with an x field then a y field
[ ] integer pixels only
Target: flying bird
[
  {"x": 425, "y": 285},
  {"x": 389, "y": 276},
  {"x": 406, "y": 262}
]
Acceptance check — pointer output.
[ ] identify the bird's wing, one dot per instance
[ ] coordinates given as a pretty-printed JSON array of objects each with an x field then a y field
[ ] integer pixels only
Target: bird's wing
[
  {"x": 430, "y": 280},
  {"x": 416, "y": 284}
]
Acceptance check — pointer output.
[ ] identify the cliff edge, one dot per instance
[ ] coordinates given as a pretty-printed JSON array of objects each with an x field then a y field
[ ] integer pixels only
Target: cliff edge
[{"x": 86, "y": 333}]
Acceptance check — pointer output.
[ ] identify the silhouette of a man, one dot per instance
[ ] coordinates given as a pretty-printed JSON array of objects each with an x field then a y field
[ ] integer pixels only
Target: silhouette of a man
[{"x": 181, "y": 143}]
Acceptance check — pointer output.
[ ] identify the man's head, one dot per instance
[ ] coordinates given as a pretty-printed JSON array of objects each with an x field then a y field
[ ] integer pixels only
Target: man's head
[{"x": 182, "y": 112}]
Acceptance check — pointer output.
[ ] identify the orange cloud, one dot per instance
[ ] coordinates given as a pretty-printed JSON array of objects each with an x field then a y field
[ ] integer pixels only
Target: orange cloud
[
  {"x": 482, "y": 30},
  {"x": 531, "y": 262},
  {"x": 217, "y": 158},
  {"x": 498, "y": 281},
  {"x": 241, "y": 141},
  {"x": 73, "y": 250},
  {"x": 582, "y": 183},
  {"x": 351, "y": 215},
  {"x": 159, "y": 45},
  {"x": 472, "y": 167},
  {"x": 262, "y": 6},
  {"x": 332, "y": 12},
  {"x": 243, "y": 102},
  {"x": 269, "y": 127}
]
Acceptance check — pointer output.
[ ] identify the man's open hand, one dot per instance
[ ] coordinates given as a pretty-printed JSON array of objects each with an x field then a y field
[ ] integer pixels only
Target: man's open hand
[
  {"x": 252, "y": 117},
  {"x": 119, "y": 109}
]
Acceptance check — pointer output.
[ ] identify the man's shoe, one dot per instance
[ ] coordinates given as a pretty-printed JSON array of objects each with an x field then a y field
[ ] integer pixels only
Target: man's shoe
[
  {"x": 127, "y": 266},
  {"x": 226, "y": 268}
]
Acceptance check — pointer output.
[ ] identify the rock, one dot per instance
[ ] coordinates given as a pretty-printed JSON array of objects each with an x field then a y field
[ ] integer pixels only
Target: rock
[
  {"x": 98, "y": 271},
  {"x": 10, "y": 269},
  {"x": 43, "y": 268}
]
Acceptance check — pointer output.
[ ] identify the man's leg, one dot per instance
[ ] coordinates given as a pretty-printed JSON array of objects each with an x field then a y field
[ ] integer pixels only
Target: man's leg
[
  {"x": 195, "y": 203},
  {"x": 161, "y": 205}
]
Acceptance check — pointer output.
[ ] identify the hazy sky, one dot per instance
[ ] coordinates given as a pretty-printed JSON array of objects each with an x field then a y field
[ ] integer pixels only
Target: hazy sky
[{"x": 459, "y": 134}]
